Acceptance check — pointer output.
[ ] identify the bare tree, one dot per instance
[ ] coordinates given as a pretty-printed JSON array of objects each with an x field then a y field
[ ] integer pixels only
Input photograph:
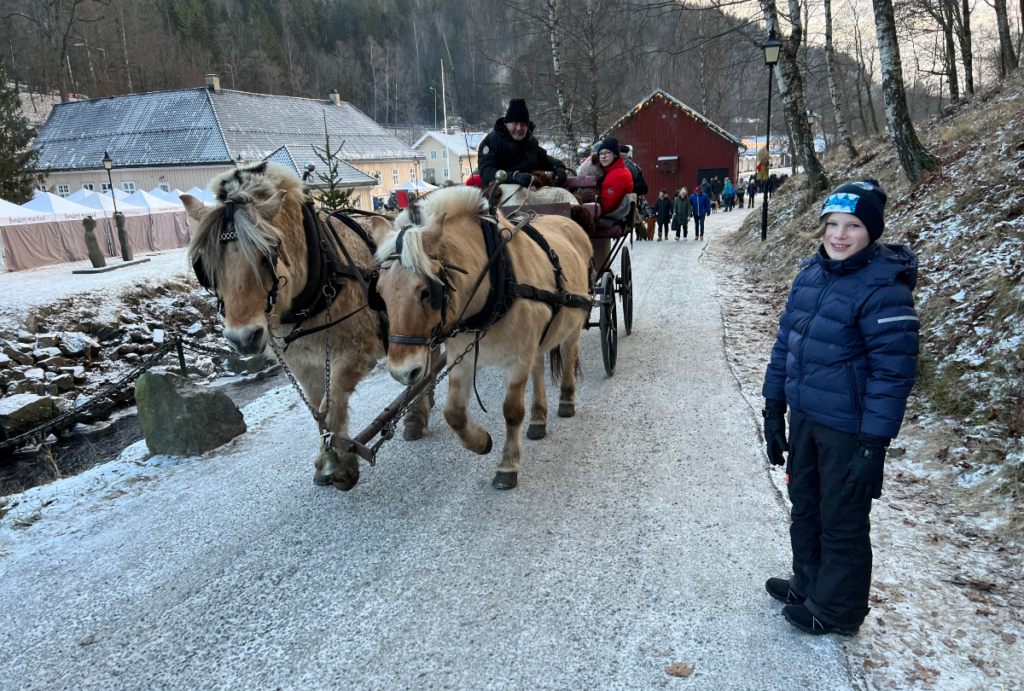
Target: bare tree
[
  {"x": 914, "y": 157},
  {"x": 563, "y": 106},
  {"x": 830, "y": 63},
  {"x": 1008, "y": 59},
  {"x": 962, "y": 22},
  {"x": 56, "y": 21}
]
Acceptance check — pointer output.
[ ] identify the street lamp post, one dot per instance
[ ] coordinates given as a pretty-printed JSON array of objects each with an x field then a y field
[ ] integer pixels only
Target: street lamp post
[
  {"x": 108, "y": 163},
  {"x": 771, "y": 49},
  {"x": 435, "y": 107},
  {"x": 811, "y": 117}
]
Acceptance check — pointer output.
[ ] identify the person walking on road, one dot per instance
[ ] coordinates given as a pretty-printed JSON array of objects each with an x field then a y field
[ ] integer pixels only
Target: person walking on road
[
  {"x": 682, "y": 209},
  {"x": 663, "y": 207},
  {"x": 701, "y": 207},
  {"x": 844, "y": 362},
  {"x": 727, "y": 192},
  {"x": 751, "y": 191}
]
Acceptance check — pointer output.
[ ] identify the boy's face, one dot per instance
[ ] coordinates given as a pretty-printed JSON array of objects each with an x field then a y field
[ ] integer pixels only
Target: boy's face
[{"x": 845, "y": 236}]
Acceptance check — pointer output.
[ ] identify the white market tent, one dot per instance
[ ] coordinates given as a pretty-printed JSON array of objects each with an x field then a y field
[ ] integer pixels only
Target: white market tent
[
  {"x": 174, "y": 196},
  {"x": 157, "y": 192},
  {"x": 407, "y": 187},
  {"x": 205, "y": 196},
  {"x": 151, "y": 202},
  {"x": 118, "y": 194},
  {"x": 11, "y": 214},
  {"x": 80, "y": 195},
  {"x": 103, "y": 203},
  {"x": 50, "y": 203},
  {"x": 424, "y": 186}
]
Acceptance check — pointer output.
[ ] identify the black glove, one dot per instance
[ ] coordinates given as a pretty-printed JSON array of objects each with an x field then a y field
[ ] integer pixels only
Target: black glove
[
  {"x": 560, "y": 176},
  {"x": 775, "y": 430},
  {"x": 864, "y": 478},
  {"x": 523, "y": 179}
]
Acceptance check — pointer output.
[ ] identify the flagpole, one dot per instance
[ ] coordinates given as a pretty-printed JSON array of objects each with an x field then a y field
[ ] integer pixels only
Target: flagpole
[{"x": 444, "y": 110}]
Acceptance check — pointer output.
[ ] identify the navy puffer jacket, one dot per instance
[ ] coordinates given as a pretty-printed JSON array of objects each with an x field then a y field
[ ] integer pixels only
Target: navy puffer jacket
[{"x": 846, "y": 354}]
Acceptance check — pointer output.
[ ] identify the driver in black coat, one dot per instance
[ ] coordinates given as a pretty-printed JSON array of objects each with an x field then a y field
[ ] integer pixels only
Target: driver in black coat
[{"x": 511, "y": 147}]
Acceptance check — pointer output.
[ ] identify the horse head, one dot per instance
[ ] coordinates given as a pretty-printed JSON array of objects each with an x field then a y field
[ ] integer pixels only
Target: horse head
[{"x": 242, "y": 246}]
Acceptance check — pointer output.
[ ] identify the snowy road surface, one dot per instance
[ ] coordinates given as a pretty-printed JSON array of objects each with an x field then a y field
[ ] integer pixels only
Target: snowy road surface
[{"x": 640, "y": 535}]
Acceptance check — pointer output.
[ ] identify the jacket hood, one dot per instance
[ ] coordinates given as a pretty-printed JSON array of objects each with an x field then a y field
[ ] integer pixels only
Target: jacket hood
[
  {"x": 883, "y": 264},
  {"x": 499, "y": 126}
]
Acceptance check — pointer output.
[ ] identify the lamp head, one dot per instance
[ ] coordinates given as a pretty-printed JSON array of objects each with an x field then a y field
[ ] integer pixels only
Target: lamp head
[
  {"x": 771, "y": 48},
  {"x": 811, "y": 117},
  {"x": 108, "y": 163}
]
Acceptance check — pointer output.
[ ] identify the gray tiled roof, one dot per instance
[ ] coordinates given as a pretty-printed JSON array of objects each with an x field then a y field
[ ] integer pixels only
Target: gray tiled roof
[
  {"x": 159, "y": 128},
  {"x": 294, "y": 159},
  {"x": 199, "y": 127},
  {"x": 254, "y": 125}
]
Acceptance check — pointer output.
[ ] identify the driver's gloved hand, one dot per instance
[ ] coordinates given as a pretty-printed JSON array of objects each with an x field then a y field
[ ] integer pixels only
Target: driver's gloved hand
[
  {"x": 560, "y": 176},
  {"x": 519, "y": 178}
]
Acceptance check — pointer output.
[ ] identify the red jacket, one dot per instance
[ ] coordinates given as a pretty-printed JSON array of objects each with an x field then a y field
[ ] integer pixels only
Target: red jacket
[{"x": 617, "y": 183}]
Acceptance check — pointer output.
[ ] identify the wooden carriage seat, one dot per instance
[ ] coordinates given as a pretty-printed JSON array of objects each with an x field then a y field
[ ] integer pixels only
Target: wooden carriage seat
[{"x": 581, "y": 182}]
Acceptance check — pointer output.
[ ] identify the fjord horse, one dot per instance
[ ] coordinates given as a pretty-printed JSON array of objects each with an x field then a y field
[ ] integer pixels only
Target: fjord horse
[
  {"x": 258, "y": 265},
  {"x": 449, "y": 239}
]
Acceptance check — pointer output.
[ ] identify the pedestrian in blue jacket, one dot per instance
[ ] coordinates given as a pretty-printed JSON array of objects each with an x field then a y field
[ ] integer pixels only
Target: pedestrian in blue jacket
[
  {"x": 701, "y": 208},
  {"x": 844, "y": 363}
]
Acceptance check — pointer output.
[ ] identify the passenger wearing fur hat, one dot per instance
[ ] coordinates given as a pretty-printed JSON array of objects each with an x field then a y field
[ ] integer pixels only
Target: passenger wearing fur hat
[
  {"x": 512, "y": 147},
  {"x": 844, "y": 363}
]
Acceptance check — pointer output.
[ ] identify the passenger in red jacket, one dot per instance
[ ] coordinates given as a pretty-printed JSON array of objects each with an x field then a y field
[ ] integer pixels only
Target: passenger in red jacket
[{"x": 618, "y": 181}]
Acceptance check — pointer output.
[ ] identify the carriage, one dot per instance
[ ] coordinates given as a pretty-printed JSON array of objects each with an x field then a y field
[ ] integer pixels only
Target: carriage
[{"x": 604, "y": 284}]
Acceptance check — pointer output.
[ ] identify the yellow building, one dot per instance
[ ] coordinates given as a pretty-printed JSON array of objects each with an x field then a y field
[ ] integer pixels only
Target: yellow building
[
  {"x": 448, "y": 156},
  {"x": 181, "y": 139}
]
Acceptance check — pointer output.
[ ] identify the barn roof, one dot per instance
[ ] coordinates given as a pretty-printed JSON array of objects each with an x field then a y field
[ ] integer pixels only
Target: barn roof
[
  {"x": 294, "y": 158},
  {"x": 672, "y": 100},
  {"x": 201, "y": 127}
]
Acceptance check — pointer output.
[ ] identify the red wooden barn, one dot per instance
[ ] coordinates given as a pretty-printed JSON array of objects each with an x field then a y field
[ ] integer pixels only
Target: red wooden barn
[{"x": 675, "y": 145}]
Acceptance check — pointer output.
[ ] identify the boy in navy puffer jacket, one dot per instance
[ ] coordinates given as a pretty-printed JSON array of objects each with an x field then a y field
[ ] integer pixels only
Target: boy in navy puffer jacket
[{"x": 844, "y": 362}]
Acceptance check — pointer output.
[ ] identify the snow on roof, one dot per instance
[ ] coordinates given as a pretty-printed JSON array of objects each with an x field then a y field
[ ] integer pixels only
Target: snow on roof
[
  {"x": 658, "y": 93},
  {"x": 294, "y": 158},
  {"x": 200, "y": 127},
  {"x": 455, "y": 141}
]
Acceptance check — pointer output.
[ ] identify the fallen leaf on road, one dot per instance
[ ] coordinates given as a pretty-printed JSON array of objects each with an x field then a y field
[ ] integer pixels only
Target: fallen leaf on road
[
  {"x": 1009, "y": 638},
  {"x": 679, "y": 669}
]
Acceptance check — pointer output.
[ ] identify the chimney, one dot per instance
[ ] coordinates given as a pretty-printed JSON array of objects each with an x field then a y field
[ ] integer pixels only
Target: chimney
[
  {"x": 336, "y": 98},
  {"x": 213, "y": 83}
]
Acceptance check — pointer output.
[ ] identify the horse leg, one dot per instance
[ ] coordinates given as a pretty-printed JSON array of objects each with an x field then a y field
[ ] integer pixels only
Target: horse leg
[
  {"x": 418, "y": 417},
  {"x": 456, "y": 411},
  {"x": 539, "y": 409},
  {"x": 567, "y": 396},
  {"x": 334, "y": 467},
  {"x": 514, "y": 409}
]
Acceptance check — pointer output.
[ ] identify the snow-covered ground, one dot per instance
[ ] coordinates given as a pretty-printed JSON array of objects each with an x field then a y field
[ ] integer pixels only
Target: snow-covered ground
[
  {"x": 640, "y": 536},
  {"x": 948, "y": 611}
]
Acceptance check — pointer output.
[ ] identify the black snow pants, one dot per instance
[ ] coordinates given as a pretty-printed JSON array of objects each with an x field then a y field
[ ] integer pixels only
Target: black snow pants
[{"x": 830, "y": 532}]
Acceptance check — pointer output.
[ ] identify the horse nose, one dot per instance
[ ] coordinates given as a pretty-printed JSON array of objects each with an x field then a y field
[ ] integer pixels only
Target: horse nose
[
  {"x": 414, "y": 374},
  {"x": 247, "y": 340}
]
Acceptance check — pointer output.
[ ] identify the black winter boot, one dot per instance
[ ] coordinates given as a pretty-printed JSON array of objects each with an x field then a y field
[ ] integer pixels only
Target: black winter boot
[
  {"x": 801, "y": 618},
  {"x": 780, "y": 590}
]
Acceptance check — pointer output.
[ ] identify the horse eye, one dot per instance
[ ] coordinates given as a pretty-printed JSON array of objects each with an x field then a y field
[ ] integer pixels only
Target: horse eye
[{"x": 425, "y": 294}]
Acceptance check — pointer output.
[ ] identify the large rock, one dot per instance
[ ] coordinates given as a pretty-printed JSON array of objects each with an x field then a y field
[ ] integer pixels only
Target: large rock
[
  {"x": 79, "y": 345},
  {"x": 47, "y": 340},
  {"x": 18, "y": 356},
  {"x": 106, "y": 330},
  {"x": 181, "y": 418},
  {"x": 22, "y": 412},
  {"x": 5, "y": 361}
]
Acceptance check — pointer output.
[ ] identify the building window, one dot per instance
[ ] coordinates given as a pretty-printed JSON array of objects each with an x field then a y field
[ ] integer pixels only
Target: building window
[
  {"x": 104, "y": 187},
  {"x": 412, "y": 174},
  {"x": 128, "y": 186},
  {"x": 376, "y": 174},
  {"x": 164, "y": 187},
  {"x": 433, "y": 154},
  {"x": 444, "y": 154},
  {"x": 89, "y": 186},
  {"x": 63, "y": 190},
  {"x": 394, "y": 176},
  {"x": 469, "y": 172},
  {"x": 445, "y": 173}
]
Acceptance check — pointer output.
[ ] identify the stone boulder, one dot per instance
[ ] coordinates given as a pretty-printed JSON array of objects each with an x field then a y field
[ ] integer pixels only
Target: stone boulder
[
  {"x": 106, "y": 330},
  {"x": 21, "y": 412},
  {"x": 17, "y": 355},
  {"x": 26, "y": 337},
  {"x": 181, "y": 418},
  {"x": 78, "y": 344},
  {"x": 47, "y": 340}
]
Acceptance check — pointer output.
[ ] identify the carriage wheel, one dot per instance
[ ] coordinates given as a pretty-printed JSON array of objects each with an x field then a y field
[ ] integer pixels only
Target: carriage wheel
[
  {"x": 626, "y": 291},
  {"x": 609, "y": 324}
]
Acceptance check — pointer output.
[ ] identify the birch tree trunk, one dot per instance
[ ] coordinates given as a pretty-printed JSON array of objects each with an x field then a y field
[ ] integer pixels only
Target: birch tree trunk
[
  {"x": 962, "y": 21},
  {"x": 914, "y": 157},
  {"x": 951, "y": 71},
  {"x": 563, "y": 107},
  {"x": 791, "y": 89},
  {"x": 830, "y": 64},
  {"x": 1009, "y": 58}
]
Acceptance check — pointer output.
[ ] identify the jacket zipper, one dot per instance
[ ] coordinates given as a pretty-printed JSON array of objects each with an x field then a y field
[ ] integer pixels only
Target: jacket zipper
[
  {"x": 803, "y": 343},
  {"x": 854, "y": 388}
]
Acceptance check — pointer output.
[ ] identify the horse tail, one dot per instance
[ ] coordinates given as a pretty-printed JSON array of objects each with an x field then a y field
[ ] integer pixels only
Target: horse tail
[{"x": 555, "y": 356}]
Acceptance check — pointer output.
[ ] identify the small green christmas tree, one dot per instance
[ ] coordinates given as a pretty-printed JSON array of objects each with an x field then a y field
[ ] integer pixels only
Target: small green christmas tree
[
  {"x": 17, "y": 157},
  {"x": 329, "y": 194}
]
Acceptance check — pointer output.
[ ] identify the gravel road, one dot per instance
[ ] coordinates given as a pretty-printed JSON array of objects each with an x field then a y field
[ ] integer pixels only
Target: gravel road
[{"x": 640, "y": 535}]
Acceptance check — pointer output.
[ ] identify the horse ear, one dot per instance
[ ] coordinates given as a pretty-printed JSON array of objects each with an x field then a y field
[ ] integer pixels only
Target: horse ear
[
  {"x": 196, "y": 209},
  {"x": 380, "y": 230},
  {"x": 272, "y": 207},
  {"x": 432, "y": 233}
]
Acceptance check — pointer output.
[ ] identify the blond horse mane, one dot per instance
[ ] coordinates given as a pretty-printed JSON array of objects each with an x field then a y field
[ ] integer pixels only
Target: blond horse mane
[
  {"x": 454, "y": 202},
  {"x": 257, "y": 239}
]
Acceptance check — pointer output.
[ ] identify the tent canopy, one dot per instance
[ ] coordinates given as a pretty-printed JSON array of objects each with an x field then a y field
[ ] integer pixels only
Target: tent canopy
[
  {"x": 12, "y": 213},
  {"x": 103, "y": 202},
  {"x": 205, "y": 196},
  {"x": 80, "y": 195},
  {"x": 52, "y": 204},
  {"x": 147, "y": 200}
]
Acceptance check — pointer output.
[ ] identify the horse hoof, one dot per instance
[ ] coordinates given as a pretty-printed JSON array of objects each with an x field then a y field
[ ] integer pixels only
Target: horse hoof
[
  {"x": 321, "y": 479},
  {"x": 566, "y": 409},
  {"x": 505, "y": 480},
  {"x": 536, "y": 431},
  {"x": 343, "y": 470},
  {"x": 412, "y": 432},
  {"x": 490, "y": 445}
]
